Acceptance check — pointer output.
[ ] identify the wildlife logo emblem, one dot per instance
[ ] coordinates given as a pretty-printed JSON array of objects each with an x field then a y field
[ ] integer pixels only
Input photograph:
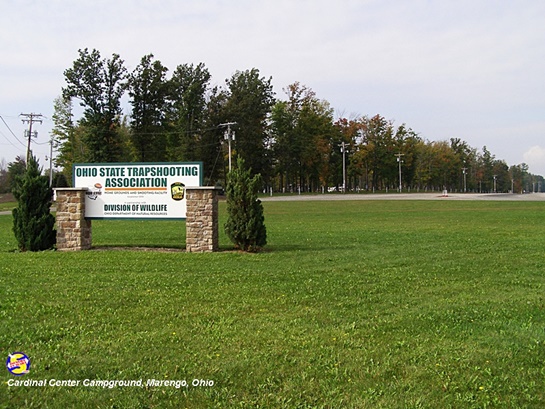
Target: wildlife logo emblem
[
  {"x": 18, "y": 363},
  {"x": 177, "y": 190}
]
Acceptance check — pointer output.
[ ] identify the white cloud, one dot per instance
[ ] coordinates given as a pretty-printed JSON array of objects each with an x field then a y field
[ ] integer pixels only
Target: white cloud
[{"x": 535, "y": 158}]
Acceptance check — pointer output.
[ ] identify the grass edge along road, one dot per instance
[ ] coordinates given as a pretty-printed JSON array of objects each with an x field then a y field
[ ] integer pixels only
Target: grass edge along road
[{"x": 353, "y": 304}]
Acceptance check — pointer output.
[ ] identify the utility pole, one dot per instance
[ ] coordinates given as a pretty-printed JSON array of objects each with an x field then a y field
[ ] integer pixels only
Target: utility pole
[
  {"x": 30, "y": 119},
  {"x": 343, "y": 151},
  {"x": 399, "y": 155},
  {"x": 51, "y": 162},
  {"x": 464, "y": 171},
  {"x": 229, "y": 136},
  {"x": 495, "y": 183}
]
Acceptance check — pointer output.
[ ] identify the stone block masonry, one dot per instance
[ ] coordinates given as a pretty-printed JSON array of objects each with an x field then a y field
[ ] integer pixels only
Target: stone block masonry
[
  {"x": 73, "y": 229},
  {"x": 202, "y": 234}
]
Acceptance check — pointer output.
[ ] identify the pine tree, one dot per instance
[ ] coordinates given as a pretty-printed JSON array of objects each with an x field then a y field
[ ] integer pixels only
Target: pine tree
[
  {"x": 33, "y": 224},
  {"x": 245, "y": 224}
]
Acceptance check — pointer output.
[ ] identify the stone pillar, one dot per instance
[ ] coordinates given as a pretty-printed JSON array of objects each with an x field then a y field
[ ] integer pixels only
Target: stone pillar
[
  {"x": 202, "y": 219},
  {"x": 73, "y": 230}
]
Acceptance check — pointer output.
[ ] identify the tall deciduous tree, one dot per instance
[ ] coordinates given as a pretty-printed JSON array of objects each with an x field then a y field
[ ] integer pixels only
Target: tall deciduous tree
[
  {"x": 517, "y": 174},
  {"x": 250, "y": 98},
  {"x": 303, "y": 134},
  {"x": 316, "y": 130},
  {"x": 99, "y": 85},
  {"x": 350, "y": 132},
  {"x": 67, "y": 139},
  {"x": 212, "y": 138},
  {"x": 188, "y": 89},
  {"x": 377, "y": 134},
  {"x": 285, "y": 165},
  {"x": 148, "y": 89},
  {"x": 486, "y": 171},
  {"x": 407, "y": 144}
]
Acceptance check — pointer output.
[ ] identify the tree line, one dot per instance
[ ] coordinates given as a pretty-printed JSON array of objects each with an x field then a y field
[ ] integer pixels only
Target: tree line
[{"x": 295, "y": 143}]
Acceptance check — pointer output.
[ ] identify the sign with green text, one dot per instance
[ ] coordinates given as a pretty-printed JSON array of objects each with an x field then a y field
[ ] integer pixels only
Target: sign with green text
[{"x": 136, "y": 190}]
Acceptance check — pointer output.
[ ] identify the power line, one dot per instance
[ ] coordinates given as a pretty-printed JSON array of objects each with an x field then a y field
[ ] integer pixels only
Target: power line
[
  {"x": 15, "y": 136},
  {"x": 40, "y": 143},
  {"x": 9, "y": 142}
]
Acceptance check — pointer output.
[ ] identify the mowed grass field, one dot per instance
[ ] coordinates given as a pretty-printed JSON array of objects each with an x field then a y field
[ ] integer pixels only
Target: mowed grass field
[{"x": 413, "y": 304}]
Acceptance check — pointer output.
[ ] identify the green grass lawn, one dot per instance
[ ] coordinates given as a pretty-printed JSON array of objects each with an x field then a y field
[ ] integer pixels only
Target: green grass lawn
[
  {"x": 415, "y": 304},
  {"x": 7, "y": 206}
]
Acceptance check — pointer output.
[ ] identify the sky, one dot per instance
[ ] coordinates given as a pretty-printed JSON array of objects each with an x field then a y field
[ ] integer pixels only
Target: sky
[{"x": 468, "y": 69}]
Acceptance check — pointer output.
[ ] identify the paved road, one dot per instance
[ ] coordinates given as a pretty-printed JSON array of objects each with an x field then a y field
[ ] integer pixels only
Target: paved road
[{"x": 533, "y": 197}]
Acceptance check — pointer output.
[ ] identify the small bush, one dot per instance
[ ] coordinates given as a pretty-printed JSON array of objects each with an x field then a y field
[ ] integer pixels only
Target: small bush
[
  {"x": 33, "y": 223},
  {"x": 245, "y": 224}
]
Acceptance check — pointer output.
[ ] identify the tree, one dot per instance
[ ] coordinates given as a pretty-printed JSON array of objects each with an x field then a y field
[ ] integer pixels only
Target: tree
[
  {"x": 16, "y": 169},
  {"x": 187, "y": 111},
  {"x": 303, "y": 134},
  {"x": 348, "y": 132},
  {"x": 317, "y": 134},
  {"x": 518, "y": 174},
  {"x": 66, "y": 137},
  {"x": 148, "y": 89},
  {"x": 211, "y": 145},
  {"x": 4, "y": 183},
  {"x": 423, "y": 165},
  {"x": 406, "y": 143},
  {"x": 377, "y": 134},
  {"x": 462, "y": 152},
  {"x": 245, "y": 224},
  {"x": 99, "y": 84},
  {"x": 486, "y": 171},
  {"x": 282, "y": 126},
  {"x": 33, "y": 224},
  {"x": 501, "y": 176},
  {"x": 249, "y": 102}
]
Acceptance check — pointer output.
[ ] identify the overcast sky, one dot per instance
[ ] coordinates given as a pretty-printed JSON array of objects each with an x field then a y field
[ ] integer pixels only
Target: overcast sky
[{"x": 471, "y": 69}]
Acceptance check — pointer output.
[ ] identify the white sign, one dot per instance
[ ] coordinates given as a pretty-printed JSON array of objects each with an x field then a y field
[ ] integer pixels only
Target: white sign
[{"x": 136, "y": 190}]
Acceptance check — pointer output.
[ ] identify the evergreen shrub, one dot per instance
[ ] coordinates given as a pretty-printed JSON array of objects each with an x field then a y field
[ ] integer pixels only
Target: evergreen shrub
[
  {"x": 33, "y": 223},
  {"x": 245, "y": 224}
]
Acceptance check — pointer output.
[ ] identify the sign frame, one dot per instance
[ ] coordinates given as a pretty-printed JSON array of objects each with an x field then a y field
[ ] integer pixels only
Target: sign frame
[{"x": 136, "y": 190}]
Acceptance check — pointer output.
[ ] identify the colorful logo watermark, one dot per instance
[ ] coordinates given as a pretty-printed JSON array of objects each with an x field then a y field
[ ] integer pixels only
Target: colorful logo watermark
[{"x": 18, "y": 363}]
